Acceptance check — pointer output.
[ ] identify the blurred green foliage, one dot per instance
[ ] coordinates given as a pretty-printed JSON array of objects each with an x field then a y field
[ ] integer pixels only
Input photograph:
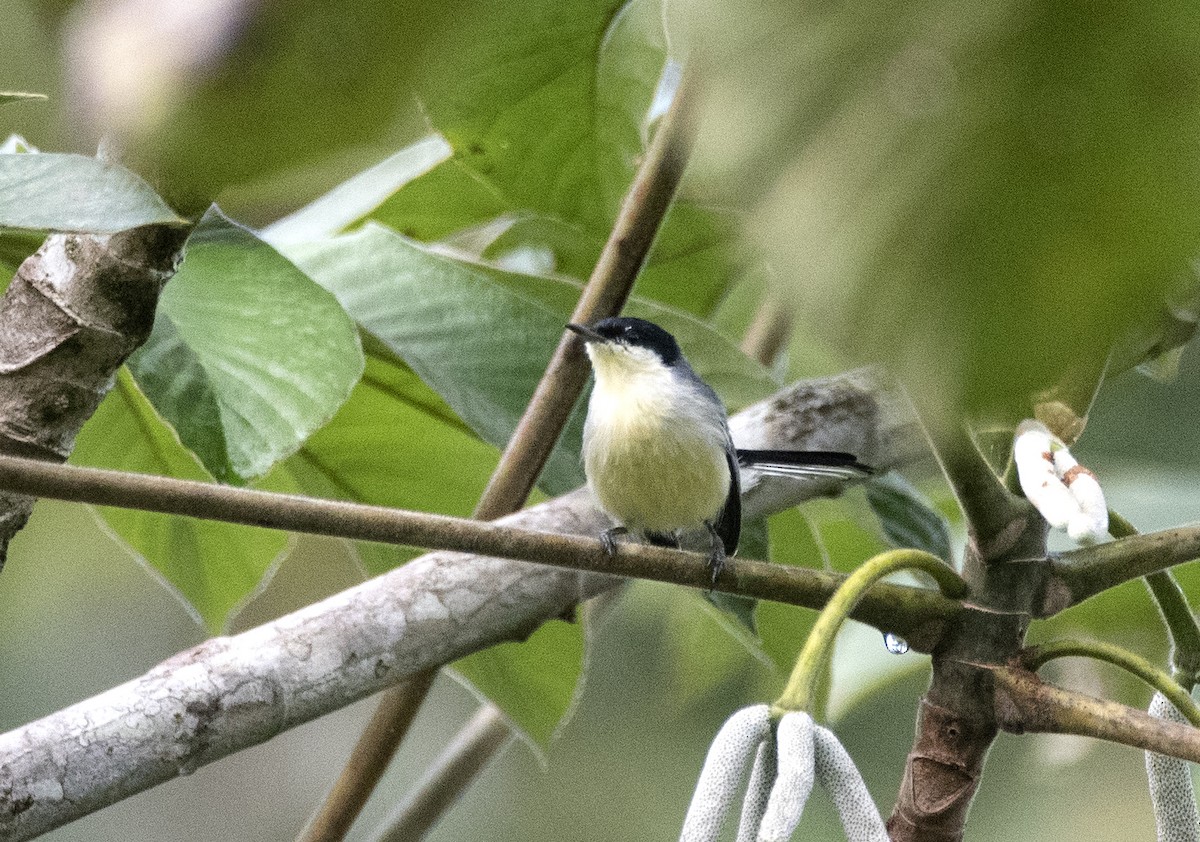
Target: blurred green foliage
[{"x": 982, "y": 198}]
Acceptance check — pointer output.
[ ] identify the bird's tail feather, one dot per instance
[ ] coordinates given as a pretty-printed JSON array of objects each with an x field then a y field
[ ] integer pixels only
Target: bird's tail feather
[{"x": 805, "y": 463}]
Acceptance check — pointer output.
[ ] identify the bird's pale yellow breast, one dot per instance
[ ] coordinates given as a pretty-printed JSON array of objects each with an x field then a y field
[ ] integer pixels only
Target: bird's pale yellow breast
[{"x": 648, "y": 467}]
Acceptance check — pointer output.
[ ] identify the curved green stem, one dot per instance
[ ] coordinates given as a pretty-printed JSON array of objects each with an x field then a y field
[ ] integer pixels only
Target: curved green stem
[
  {"x": 1176, "y": 613},
  {"x": 801, "y": 687},
  {"x": 1036, "y": 656}
]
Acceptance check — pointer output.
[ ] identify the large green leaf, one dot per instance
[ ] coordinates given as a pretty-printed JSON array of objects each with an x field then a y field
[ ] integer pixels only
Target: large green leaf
[
  {"x": 75, "y": 193},
  {"x": 248, "y": 356},
  {"x": 548, "y": 104},
  {"x": 548, "y": 116},
  {"x": 983, "y": 195},
  {"x": 482, "y": 337},
  {"x": 534, "y": 682},
  {"x": 213, "y": 566},
  {"x": 393, "y": 443}
]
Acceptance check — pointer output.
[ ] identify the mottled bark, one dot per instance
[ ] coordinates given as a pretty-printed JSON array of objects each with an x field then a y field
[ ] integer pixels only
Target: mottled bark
[{"x": 75, "y": 310}]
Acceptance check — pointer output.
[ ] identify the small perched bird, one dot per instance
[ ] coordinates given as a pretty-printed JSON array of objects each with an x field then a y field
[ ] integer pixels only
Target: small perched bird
[{"x": 656, "y": 445}]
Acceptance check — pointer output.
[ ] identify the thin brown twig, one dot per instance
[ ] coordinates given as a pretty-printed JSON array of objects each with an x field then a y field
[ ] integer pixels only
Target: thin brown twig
[
  {"x": 537, "y": 432},
  {"x": 904, "y": 610},
  {"x": 452, "y": 772},
  {"x": 369, "y": 759},
  {"x": 767, "y": 336},
  {"x": 1025, "y": 703}
]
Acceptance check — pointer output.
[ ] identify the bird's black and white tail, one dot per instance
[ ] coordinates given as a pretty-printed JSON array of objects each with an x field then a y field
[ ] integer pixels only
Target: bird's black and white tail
[{"x": 805, "y": 463}]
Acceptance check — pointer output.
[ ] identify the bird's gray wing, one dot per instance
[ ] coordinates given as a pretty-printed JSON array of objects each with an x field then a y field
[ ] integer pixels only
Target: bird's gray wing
[{"x": 729, "y": 521}]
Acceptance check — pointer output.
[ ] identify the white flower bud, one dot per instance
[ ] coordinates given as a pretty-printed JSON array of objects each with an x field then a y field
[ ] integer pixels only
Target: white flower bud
[
  {"x": 1033, "y": 454},
  {"x": 1066, "y": 494},
  {"x": 724, "y": 769},
  {"x": 794, "y": 746},
  {"x": 1091, "y": 523},
  {"x": 1171, "y": 790},
  {"x": 840, "y": 777},
  {"x": 758, "y": 791}
]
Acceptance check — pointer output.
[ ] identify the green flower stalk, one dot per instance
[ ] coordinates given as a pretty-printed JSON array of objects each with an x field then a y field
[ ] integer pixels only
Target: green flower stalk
[{"x": 801, "y": 687}]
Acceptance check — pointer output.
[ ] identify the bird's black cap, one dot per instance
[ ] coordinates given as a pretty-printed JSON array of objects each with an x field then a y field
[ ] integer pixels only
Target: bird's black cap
[{"x": 639, "y": 333}]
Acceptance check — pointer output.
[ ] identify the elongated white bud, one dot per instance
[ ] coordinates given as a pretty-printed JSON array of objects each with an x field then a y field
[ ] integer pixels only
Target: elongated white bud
[
  {"x": 794, "y": 747},
  {"x": 1066, "y": 494},
  {"x": 1171, "y": 790},
  {"x": 841, "y": 779},
  {"x": 725, "y": 768},
  {"x": 758, "y": 791},
  {"x": 1033, "y": 453},
  {"x": 1091, "y": 523}
]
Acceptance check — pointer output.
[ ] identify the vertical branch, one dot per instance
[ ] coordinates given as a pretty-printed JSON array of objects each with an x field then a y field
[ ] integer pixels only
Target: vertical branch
[
  {"x": 451, "y": 773},
  {"x": 956, "y": 723},
  {"x": 638, "y": 221},
  {"x": 74, "y": 311}
]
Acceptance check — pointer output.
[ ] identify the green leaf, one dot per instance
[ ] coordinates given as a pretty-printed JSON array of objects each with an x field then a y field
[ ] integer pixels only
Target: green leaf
[
  {"x": 938, "y": 186},
  {"x": 548, "y": 117},
  {"x": 19, "y": 96},
  {"x": 482, "y": 337},
  {"x": 444, "y": 200},
  {"x": 359, "y": 195},
  {"x": 784, "y": 628},
  {"x": 213, "y": 566},
  {"x": 248, "y": 356},
  {"x": 690, "y": 266},
  {"x": 75, "y": 193},
  {"x": 705, "y": 648},
  {"x": 479, "y": 345},
  {"x": 535, "y": 682},
  {"x": 548, "y": 104},
  {"x": 908, "y": 519},
  {"x": 393, "y": 443}
]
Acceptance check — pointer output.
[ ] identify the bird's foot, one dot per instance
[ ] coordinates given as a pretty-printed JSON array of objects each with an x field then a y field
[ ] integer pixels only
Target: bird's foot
[
  {"x": 717, "y": 557},
  {"x": 609, "y": 538}
]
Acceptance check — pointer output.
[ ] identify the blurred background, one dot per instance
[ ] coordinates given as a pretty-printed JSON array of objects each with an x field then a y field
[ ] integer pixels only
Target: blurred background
[{"x": 948, "y": 188}]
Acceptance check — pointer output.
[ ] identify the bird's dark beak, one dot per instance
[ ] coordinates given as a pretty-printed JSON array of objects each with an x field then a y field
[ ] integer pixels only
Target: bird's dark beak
[{"x": 586, "y": 333}]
